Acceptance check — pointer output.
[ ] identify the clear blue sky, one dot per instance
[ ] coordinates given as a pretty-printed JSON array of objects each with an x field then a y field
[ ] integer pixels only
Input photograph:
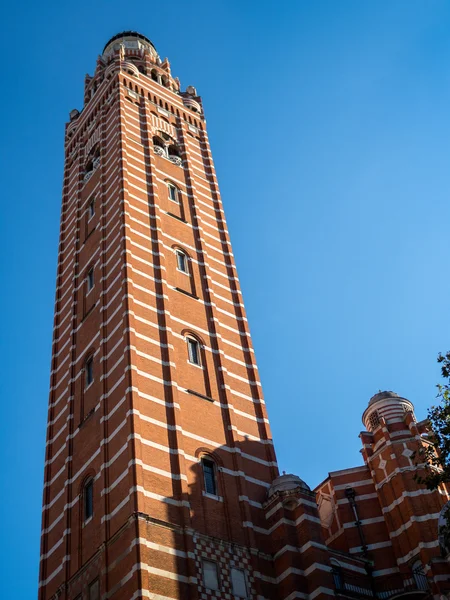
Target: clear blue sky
[{"x": 330, "y": 128}]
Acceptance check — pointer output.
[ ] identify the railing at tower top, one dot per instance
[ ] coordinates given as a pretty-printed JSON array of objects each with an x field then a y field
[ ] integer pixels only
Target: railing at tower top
[
  {"x": 362, "y": 587},
  {"x": 175, "y": 159},
  {"x": 91, "y": 171}
]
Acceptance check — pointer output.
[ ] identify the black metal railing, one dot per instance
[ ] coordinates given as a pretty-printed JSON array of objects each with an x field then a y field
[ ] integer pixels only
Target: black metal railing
[{"x": 363, "y": 586}]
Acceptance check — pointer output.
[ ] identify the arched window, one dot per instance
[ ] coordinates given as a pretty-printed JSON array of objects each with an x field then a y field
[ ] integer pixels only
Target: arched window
[
  {"x": 173, "y": 150},
  {"x": 92, "y": 164},
  {"x": 154, "y": 74},
  {"x": 159, "y": 146},
  {"x": 209, "y": 476},
  {"x": 174, "y": 154},
  {"x": 88, "y": 500},
  {"x": 89, "y": 371},
  {"x": 193, "y": 351},
  {"x": 182, "y": 261}
]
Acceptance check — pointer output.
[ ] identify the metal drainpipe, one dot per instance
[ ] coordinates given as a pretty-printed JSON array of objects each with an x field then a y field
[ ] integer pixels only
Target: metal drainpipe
[{"x": 351, "y": 494}]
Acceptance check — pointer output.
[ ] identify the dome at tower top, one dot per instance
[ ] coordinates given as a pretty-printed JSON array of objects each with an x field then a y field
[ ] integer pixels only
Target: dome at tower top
[
  {"x": 132, "y": 40},
  {"x": 287, "y": 482},
  {"x": 382, "y": 396},
  {"x": 388, "y": 405}
]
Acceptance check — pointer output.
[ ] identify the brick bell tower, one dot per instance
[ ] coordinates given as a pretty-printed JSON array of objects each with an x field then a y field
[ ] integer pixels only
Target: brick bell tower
[
  {"x": 159, "y": 454},
  {"x": 160, "y": 474}
]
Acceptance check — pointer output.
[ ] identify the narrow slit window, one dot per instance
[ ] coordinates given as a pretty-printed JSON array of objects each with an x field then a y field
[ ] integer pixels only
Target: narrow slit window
[
  {"x": 91, "y": 209},
  {"x": 209, "y": 477},
  {"x": 173, "y": 193},
  {"x": 90, "y": 280},
  {"x": 210, "y": 576},
  {"x": 89, "y": 371},
  {"x": 88, "y": 500},
  {"x": 182, "y": 262},
  {"x": 193, "y": 351}
]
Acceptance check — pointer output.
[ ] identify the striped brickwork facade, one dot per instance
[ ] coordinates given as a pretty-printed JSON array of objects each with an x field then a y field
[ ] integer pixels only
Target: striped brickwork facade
[{"x": 133, "y": 417}]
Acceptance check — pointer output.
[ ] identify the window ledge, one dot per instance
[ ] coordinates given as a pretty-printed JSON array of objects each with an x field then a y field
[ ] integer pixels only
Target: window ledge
[
  {"x": 176, "y": 217},
  {"x": 90, "y": 413},
  {"x": 90, "y": 233},
  {"x": 186, "y": 293},
  {"x": 193, "y": 364},
  {"x": 88, "y": 521},
  {"x": 200, "y": 395},
  {"x": 212, "y": 496},
  {"x": 88, "y": 312}
]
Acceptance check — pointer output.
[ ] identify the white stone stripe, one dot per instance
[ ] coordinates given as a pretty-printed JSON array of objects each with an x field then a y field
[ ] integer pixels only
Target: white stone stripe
[
  {"x": 377, "y": 546},
  {"x": 55, "y": 572},
  {"x": 406, "y": 494},
  {"x": 343, "y": 486},
  {"x": 413, "y": 552},
  {"x": 300, "y": 501},
  {"x": 148, "y": 467},
  {"x": 361, "y": 498},
  {"x": 370, "y": 521},
  {"x": 303, "y": 517},
  {"x": 411, "y": 521}
]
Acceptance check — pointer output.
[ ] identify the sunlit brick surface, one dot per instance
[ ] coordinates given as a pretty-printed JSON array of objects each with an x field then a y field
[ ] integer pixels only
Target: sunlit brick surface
[{"x": 130, "y": 413}]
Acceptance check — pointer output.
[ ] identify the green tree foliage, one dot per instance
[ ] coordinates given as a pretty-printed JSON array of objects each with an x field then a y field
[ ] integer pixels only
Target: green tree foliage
[{"x": 435, "y": 456}]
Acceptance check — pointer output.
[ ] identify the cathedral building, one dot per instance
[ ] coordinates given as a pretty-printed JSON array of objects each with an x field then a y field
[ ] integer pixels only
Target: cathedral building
[{"x": 161, "y": 478}]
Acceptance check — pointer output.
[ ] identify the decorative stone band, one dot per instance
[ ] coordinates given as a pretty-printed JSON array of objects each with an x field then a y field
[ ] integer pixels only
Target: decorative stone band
[
  {"x": 161, "y": 125},
  {"x": 95, "y": 137}
]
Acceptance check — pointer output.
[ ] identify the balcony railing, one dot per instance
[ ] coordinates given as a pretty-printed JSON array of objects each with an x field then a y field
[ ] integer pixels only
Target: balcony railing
[
  {"x": 89, "y": 174},
  {"x": 159, "y": 151},
  {"x": 361, "y": 586},
  {"x": 175, "y": 159}
]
